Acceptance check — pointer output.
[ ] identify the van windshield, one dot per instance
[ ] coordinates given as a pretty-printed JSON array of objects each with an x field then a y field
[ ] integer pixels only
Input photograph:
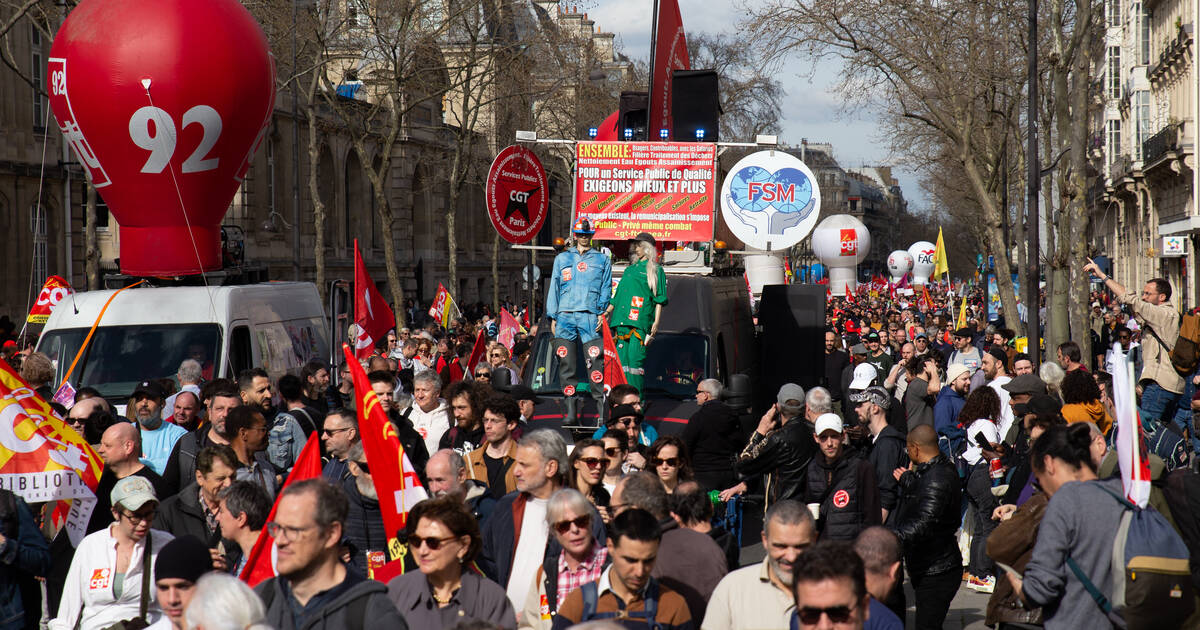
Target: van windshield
[
  {"x": 120, "y": 357},
  {"x": 674, "y": 364}
]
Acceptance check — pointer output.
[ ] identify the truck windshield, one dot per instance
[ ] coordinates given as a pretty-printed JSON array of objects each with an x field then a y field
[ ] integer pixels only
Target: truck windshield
[
  {"x": 120, "y": 357},
  {"x": 675, "y": 363}
]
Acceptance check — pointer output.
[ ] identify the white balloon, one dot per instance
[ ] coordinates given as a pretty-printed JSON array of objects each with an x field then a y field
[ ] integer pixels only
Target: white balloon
[
  {"x": 899, "y": 263},
  {"x": 841, "y": 241},
  {"x": 922, "y": 253}
]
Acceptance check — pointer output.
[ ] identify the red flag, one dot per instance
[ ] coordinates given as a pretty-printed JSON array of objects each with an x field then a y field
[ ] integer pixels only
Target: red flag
[
  {"x": 260, "y": 565},
  {"x": 54, "y": 291},
  {"x": 372, "y": 314},
  {"x": 669, "y": 52},
  {"x": 508, "y": 329},
  {"x": 614, "y": 374},
  {"x": 477, "y": 353},
  {"x": 395, "y": 479}
]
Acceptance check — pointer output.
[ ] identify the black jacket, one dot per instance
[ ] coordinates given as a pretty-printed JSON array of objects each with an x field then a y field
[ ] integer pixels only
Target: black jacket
[
  {"x": 364, "y": 600},
  {"x": 835, "y": 365},
  {"x": 848, "y": 493},
  {"x": 928, "y": 519},
  {"x": 411, "y": 440},
  {"x": 784, "y": 454},
  {"x": 886, "y": 455},
  {"x": 181, "y": 515},
  {"x": 712, "y": 437},
  {"x": 364, "y": 530}
]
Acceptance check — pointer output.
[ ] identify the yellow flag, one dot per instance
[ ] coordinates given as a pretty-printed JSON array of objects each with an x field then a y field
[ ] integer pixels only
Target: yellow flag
[
  {"x": 940, "y": 265},
  {"x": 962, "y": 315}
]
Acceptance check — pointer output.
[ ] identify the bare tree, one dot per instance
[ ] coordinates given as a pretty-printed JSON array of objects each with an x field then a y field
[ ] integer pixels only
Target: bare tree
[
  {"x": 750, "y": 98},
  {"x": 946, "y": 75}
]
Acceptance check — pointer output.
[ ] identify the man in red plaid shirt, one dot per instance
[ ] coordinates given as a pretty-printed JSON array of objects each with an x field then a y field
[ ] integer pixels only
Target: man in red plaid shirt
[{"x": 574, "y": 559}]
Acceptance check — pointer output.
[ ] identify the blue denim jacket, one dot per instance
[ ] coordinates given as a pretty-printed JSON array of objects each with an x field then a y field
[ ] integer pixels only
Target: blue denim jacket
[{"x": 579, "y": 283}]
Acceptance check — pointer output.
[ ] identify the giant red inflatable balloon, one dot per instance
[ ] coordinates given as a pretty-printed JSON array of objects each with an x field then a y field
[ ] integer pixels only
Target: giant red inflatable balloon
[{"x": 165, "y": 102}]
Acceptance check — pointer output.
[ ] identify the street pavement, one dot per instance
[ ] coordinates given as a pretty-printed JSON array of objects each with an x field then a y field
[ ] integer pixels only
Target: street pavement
[{"x": 966, "y": 611}]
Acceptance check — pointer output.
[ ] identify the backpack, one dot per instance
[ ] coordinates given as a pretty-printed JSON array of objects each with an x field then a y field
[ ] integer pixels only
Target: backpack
[
  {"x": 1170, "y": 443},
  {"x": 1152, "y": 586},
  {"x": 1182, "y": 493},
  {"x": 1185, "y": 354},
  {"x": 649, "y": 614}
]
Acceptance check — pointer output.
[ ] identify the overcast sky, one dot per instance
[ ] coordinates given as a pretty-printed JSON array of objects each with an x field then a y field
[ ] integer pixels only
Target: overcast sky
[{"x": 809, "y": 109}]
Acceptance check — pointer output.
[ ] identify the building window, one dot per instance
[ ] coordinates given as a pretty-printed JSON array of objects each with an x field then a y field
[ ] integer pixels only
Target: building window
[
  {"x": 1141, "y": 121},
  {"x": 37, "y": 225},
  {"x": 1113, "y": 12},
  {"x": 1114, "y": 72},
  {"x": 1143, "y": 17},
  {"x": 38, "y": 75},
  {"x": 102, "y": 214},
  {"x": 1114, "y": 140}
]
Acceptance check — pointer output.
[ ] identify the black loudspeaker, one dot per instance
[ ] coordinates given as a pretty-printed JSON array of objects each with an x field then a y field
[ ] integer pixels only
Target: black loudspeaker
[
  {"x": 695, "y": 104},
  {"x": 793, "y": 336},
  {"x": 633, "y": 112}
]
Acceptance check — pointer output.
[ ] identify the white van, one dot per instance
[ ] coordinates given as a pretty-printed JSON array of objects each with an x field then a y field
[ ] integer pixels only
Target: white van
[{"x": 146, "y": 332}]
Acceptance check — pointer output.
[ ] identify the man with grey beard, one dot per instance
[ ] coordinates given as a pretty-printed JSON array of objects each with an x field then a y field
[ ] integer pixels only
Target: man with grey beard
[
  {"x": 364, "y": 523},
  {"x": 760, "y": 595},
  {"x": 158, "y": 437}
]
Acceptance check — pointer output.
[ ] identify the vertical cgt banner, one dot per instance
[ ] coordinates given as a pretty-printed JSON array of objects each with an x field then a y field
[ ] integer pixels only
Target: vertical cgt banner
[{"x": 41, "y": 458}]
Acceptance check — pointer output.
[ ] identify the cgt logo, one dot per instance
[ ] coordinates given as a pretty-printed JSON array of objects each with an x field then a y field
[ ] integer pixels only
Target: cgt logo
[{"x": 849, "y": 242}]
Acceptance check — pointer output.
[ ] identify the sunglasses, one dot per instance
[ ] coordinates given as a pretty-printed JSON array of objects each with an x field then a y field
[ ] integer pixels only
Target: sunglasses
[
  {"x": 811, "y": 616},
  {"x": 670, "y": 461},
  {"x": 581, "y": 522},
  {"x": 486, "y": 375},
  {"x": 434, "y": 543},
  {"x": 613, "y": 452},
  {"x": 594, "y": 462}
]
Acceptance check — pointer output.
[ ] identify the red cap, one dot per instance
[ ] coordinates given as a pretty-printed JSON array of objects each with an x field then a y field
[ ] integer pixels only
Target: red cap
[{"x": 10, "y": 344}]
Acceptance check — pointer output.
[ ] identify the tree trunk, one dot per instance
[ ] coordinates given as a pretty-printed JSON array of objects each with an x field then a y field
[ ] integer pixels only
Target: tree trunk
[
  {"x": 995, "y": 232},
  {"x": 1076, "y": 209},
  {"x": 314, "y": 191},
  {"x": 91, "y": 250},
  {"x": 452, "y": 243},
  {"x": 496, "y": 272}
]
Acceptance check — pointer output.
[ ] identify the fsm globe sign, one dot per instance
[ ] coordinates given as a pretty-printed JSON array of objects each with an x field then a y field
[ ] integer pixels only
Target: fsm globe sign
[{"x": 770, "y": 200}]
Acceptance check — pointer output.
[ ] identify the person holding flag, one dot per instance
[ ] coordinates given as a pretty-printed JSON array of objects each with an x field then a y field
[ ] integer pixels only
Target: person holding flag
[
  {"x": 636, "y": 307},
  {"x": 580, "y": 288}
]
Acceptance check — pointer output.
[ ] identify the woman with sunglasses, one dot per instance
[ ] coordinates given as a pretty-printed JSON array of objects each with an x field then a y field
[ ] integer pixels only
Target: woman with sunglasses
[
  {"x": 444, "y": 538},
  {"x": 499, "y": 358},
  {"x": 669, "y": 459},
  {"x": 588, "y": 465},
  {"x": 573, "y": 559},
  {"x": 104, "y": 583}
]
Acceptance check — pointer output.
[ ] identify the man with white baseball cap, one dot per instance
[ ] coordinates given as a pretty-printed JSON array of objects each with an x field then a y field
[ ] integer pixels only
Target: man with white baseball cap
[{"x": 842, "y": 483}]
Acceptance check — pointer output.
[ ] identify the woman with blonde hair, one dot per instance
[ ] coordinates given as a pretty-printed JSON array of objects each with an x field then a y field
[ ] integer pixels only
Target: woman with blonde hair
[{"x": 223, "y": 602}]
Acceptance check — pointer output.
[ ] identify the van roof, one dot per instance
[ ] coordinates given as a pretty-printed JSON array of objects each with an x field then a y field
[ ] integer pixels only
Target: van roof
[{"x": 268, "y": 301}]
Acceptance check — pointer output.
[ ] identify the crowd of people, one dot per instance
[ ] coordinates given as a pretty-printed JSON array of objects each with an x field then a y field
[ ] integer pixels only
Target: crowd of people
[{"x": 927, "y": 454}]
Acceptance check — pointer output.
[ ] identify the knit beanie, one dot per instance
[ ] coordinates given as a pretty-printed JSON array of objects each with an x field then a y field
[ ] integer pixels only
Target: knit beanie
[{"x": 184, "y": 558}]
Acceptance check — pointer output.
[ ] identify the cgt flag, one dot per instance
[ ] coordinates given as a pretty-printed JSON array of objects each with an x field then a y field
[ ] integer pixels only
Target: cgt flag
[
  {"x": 396, "y": 480},
  {"x": 509, "y": 327},
  {"x": 260, "y": 564},
  {"x": 614, "y": 374},
  {"x": 1131, "y": 447},
  {"x": 51, "y": 294},
  {"x": 477, "y": 353},
  {"x": 372, "y": 315},
  {"x": 41, "y": 458},
  {"x": 444, "y": 309}
]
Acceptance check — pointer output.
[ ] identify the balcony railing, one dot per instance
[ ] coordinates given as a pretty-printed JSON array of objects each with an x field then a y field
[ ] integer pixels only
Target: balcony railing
[{"x": 1167, "y": 139}]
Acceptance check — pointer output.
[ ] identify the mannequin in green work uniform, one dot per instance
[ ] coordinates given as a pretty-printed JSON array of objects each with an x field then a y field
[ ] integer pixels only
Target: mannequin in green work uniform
[{"x": 635, "y": 309}]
